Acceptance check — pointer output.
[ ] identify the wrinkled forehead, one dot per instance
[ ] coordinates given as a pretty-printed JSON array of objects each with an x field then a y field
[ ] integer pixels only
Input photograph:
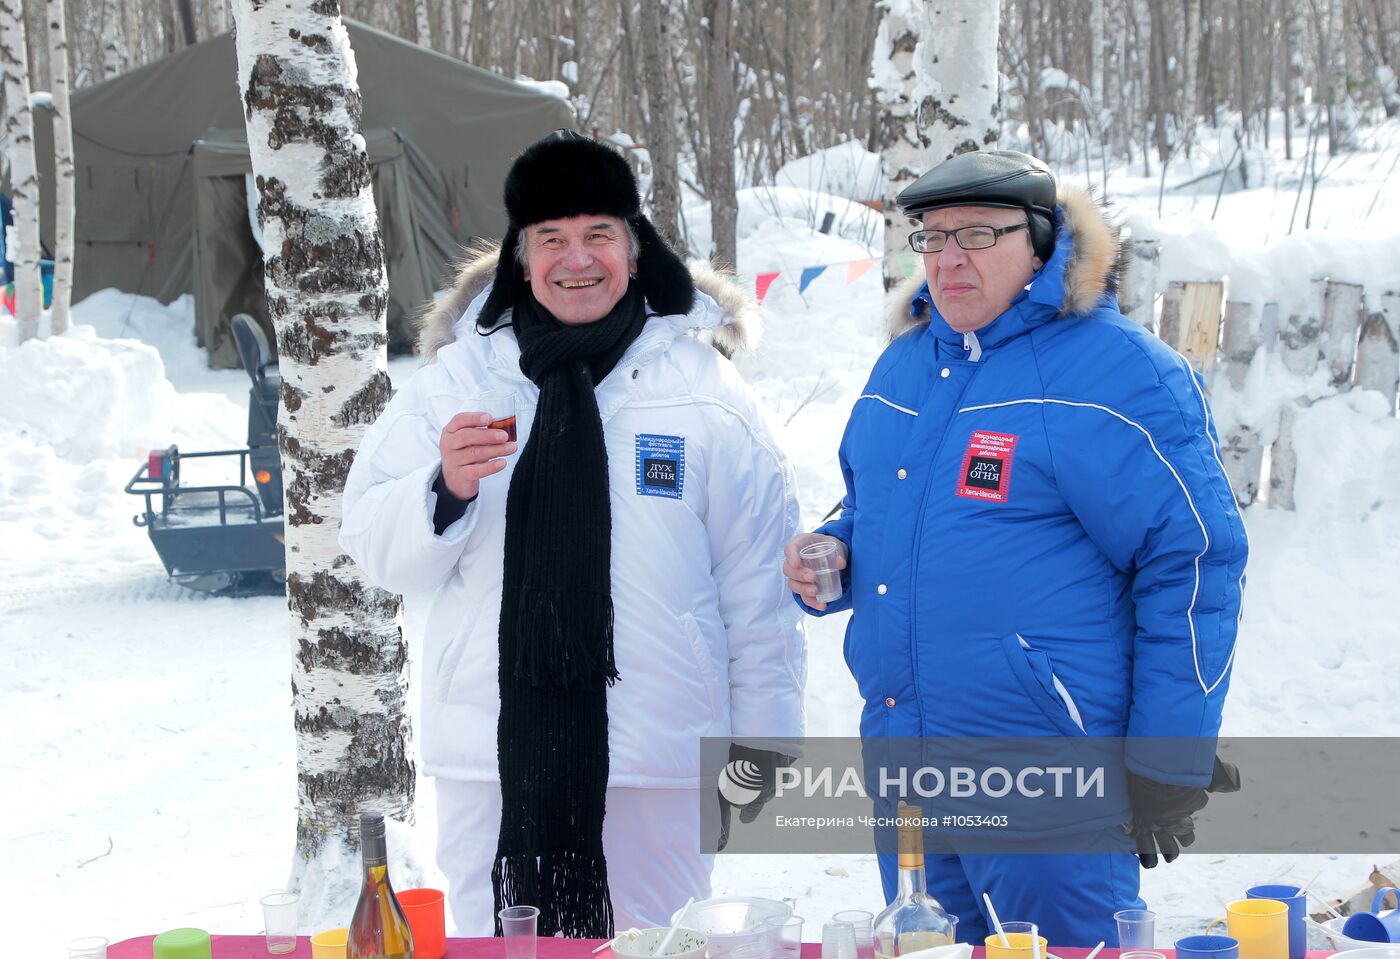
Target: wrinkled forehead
[
  {"x": 576, "y": 226},
  {"x": 953, "y": 217}
]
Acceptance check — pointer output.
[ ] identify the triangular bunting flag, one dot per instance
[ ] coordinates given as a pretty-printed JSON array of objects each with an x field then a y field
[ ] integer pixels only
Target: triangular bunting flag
[
  {"x": 857, "y": 269},
  {"x": 808, "y": 275},
  {"x": 906, "y": 264},
  {"x": 765, "y": 280}
]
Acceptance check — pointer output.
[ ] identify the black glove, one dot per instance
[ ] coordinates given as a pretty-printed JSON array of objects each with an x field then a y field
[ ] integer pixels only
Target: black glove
[
  {"x": 1162, "y": 813},
  {"x": 764, "y": 771}
]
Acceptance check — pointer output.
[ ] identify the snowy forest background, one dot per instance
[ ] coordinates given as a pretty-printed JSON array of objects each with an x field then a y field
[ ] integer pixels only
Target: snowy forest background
[{"x": 1253, "y": 141}]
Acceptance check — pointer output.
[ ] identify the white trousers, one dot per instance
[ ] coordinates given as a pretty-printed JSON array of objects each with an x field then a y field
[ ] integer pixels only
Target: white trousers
[{"x": 650, "y": 837}]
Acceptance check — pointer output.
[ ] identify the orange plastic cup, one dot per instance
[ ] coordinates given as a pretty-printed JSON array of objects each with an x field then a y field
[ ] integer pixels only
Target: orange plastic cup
[
  {"x": 424, "y": 910},
  {"x": 330, "y": 944}
]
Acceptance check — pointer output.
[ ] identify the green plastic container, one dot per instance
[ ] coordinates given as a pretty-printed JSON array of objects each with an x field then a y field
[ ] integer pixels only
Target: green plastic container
[{"x": 181, "y": 944}]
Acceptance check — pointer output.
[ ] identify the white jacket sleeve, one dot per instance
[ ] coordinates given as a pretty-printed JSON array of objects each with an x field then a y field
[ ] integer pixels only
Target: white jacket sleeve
[
  {"x": 387, "y": 520},
  {"x": 753, "y": 512}
]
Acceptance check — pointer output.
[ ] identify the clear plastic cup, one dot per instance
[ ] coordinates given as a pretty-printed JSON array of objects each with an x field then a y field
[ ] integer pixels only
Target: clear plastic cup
[
  {"x": 820, "y": 558},
  {"x": 88, "y": 947},
  {"x": 863, "y": 923},
  {"x": 518, "y": 927},
  {"x": 280, "y": 921},
  {"x": 838, "y": 940},
  {"x": 784, "y": 934},
  {"x": 1135, "y": 928}
]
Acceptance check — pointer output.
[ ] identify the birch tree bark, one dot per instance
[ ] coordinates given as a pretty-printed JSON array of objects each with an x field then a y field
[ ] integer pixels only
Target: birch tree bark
[
  {"x": 661, "y": 130},
  {"x": 63, "y": 168},
  {"x": 24, "y": 173},
  {"x": 719, "y": 105},
  {"x": 327, "y": 294},
  {"x": 425, "y": 30},
  {"x": 111, "y": 27},
  {"x": 935, "y": 77}
]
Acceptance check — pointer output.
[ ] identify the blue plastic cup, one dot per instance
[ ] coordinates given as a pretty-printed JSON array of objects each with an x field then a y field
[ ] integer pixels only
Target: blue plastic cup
[
  {"x": 1372, "y": 926},
  {"x": 1208, "y": 947},
  {"x": 1296, "y": 899}
]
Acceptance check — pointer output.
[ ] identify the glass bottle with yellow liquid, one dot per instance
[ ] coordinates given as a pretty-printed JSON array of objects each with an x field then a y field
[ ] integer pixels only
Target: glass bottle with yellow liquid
[
  {"x": 914, "y": 920},
  {"x": 378, "y": 929}
]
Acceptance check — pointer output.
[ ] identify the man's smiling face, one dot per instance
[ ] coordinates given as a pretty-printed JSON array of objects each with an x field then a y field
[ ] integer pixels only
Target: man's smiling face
[{"x": 578, "y": 266}]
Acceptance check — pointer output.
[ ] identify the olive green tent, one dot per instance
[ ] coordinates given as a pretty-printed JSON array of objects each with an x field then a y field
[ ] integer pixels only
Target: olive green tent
[{"x": 161, "y": 161}]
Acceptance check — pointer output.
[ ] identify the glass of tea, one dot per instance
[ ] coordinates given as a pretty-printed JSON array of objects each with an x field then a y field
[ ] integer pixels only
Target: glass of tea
[{"x": 500, "y": 406}]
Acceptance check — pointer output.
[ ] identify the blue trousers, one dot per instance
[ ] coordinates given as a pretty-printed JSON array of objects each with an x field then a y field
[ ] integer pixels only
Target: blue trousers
[{"x": 1071, "y": 897}]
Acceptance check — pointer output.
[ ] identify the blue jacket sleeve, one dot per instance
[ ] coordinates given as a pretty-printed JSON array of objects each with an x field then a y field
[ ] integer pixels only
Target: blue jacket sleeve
[{"x": 1139, "y": 465}]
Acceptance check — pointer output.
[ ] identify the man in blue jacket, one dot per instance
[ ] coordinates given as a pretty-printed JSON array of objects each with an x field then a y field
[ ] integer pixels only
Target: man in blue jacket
[{"x": 1041, "y": 537}]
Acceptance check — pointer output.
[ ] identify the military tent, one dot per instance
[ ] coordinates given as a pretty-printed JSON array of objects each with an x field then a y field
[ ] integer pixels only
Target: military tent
[{"x": 162, "y": 168}]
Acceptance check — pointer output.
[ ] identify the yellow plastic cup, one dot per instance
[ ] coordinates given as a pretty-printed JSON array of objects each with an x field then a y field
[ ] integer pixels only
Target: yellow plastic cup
[
  {"x": 329, "y": 944},
  {"x": 1019, "y": 937},
  {"x": 1260, "y": 926}
]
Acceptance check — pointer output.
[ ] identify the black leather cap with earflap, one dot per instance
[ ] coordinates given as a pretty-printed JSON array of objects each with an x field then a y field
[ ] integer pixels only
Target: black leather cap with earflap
[{"x": 999, "y": 178}]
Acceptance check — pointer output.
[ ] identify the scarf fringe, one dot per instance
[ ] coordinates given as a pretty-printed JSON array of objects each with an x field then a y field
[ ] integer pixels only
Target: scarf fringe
[
  {"x": 571, "y": 889},
  {"x": 558, "y": 638}
]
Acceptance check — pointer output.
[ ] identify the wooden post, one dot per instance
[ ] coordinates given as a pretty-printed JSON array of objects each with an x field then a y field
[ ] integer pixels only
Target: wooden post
[
  {"x": 1239, "y": 342},
  {"x": 1283, "y": 470},
  {"x": 1268, "y": 327},
  {"x": 1301, "y": 334},
  {"x": 1243, "y": 455},
  {"x": 1342, "y": 310},
  {"x": 1139, "y": 287},
  {"x": 1378, "y": 353},
  {"x": 1190, "y": 321}
]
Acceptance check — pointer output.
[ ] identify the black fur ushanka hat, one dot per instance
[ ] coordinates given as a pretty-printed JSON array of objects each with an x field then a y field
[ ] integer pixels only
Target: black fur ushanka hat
[{"x": 567, "y": 174}]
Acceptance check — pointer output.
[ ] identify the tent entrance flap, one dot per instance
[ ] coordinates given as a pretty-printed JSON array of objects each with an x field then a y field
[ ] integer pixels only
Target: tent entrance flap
[{"x": 228, "y": 261}]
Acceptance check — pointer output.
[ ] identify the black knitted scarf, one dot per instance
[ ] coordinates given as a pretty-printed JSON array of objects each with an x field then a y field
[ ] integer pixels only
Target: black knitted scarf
[{"x": 556, "y": 637}]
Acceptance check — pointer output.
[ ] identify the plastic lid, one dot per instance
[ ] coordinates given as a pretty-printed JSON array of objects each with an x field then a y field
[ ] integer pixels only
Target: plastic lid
[{"x": 181, "y": 944}]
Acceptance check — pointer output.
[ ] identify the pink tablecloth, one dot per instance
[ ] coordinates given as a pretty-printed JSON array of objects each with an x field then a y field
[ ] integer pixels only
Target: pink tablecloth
[{"x": 255, "y": 947}]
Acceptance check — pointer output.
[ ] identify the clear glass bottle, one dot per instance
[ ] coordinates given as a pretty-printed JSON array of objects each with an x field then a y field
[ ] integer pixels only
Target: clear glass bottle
[
  {"x": 378, "y": 929},
  {"x": 914, "y": 920}
]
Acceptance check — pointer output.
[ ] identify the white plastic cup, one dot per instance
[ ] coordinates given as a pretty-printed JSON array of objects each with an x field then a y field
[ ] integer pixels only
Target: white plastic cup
[
  {"x": 518, "y": 927},
  {"x": 820, "y": 558},
  {"x": 280, "y": 921},
  {"x": 1135, "y": 928},
  {"x": 88, "y": 947}
]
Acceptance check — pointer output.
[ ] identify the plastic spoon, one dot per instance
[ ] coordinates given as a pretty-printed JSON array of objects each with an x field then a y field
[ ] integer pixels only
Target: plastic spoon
[
  {"x": 671, "y": 933},
  {"x": 991, "y": 911}
]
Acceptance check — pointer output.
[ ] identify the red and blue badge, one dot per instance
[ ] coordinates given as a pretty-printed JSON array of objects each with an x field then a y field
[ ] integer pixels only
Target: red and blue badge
[{"x": 985, "y": 473}]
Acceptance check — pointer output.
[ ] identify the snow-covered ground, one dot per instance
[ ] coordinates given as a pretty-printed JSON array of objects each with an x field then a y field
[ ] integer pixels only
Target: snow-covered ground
[{"x": 148, "y": 729}]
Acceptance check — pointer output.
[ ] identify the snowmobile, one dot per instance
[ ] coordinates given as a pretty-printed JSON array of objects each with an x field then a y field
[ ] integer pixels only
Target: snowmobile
[{"x": 224, "y": 538}]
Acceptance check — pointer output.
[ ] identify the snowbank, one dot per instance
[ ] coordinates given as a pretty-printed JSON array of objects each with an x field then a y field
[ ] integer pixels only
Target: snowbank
[
  {"x": 847, "y": 169},
  {"x": 803, "y": 211}
]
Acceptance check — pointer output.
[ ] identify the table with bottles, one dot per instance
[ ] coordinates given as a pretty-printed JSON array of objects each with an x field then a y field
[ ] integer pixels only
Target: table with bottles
[{"x": 255, "y": 947}]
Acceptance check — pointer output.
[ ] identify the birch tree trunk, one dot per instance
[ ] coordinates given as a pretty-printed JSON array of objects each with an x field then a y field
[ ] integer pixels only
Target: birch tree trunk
[
  {"x": 327, "y": 295},
  {"x": 111, "y": 27},
  {"x": 719, "y": 105},
  {"x": 24, "y": 174},
  {"x": 63, "y": 168},
  {"x": 661, "y": 130},
  {"x": 935, "y": 77},
  {"x": 425, "y": 30}
]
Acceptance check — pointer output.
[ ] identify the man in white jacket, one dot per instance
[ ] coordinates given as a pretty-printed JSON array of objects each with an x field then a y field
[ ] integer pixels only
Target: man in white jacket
[{"x": 608, "y": 590}]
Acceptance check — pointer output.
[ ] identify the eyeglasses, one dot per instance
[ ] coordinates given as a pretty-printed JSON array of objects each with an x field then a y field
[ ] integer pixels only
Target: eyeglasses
[{"x": 968, "y": 237}]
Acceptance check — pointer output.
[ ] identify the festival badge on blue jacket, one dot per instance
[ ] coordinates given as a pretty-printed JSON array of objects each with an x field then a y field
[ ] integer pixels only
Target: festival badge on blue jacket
[{"x": 660, "y": 465}]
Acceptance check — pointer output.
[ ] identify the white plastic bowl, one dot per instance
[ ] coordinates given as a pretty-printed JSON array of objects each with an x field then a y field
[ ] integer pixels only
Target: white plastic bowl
[
  {"x": 1332, "y": 931},
  {"x": 687, "y": 944},
  {"x": 732, "y": 921}
]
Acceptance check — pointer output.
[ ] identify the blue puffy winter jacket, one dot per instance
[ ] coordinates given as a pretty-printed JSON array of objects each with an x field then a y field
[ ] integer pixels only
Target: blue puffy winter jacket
[{"x": 1043, "y": 540}]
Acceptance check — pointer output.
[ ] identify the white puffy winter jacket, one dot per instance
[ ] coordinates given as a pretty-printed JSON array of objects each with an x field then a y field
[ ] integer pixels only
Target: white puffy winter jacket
[{"x": 707, "y": 640}]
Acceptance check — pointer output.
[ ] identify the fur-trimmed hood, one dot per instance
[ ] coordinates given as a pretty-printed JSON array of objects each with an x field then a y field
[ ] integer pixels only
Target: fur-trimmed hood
[
  {"x": 736, "y": 330},
  {"x": 1087, "y": 255}
]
